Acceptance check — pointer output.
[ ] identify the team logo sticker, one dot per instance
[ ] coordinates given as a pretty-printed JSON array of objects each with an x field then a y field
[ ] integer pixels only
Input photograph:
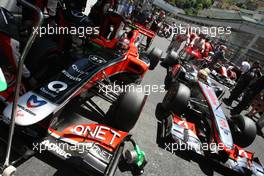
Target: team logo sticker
[
  {"x": 57, "y": 86},
  {"x": 97, "y": 60},
  {"x": 34, "y": 102}
]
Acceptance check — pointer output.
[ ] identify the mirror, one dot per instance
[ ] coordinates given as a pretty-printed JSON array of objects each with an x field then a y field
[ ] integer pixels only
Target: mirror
[{"x": 3, "y": 84}]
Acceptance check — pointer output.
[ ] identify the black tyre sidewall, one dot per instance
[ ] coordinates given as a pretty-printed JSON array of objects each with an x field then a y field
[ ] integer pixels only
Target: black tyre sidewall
[
  {"x": 154, "y": 57},
  {"x": 177, "y": 97},
  {"x": 248, "y": 131},
  {"x": 126, "y": 111}
]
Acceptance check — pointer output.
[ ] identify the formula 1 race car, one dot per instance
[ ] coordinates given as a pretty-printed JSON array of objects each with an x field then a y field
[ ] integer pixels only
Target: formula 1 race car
[
  {"x": 187, "y": 72},
  {"x": 98, "y": 140},
  {"x": 191, "y": 116},
  {"x": 224, "y": 76}
]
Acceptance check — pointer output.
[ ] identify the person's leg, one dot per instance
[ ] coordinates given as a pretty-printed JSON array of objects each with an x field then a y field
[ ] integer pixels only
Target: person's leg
[
  {"x": 148, "y": 42},
  {"x": 260, "y": 125},
  {"x": 170, "y": 46},
  {"x": 181, "y": 47},
  {"x": 234, "y": 94},
  {"x": 243, "y": 104},
  {"x": 251, "y": 113}
]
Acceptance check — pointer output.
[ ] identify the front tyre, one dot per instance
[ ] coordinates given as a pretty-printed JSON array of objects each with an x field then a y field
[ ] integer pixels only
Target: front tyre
[
  {"x": 125, "y": 112},
  {"x": 177, "y": 98},
  {"x": 246, "y": 132}
]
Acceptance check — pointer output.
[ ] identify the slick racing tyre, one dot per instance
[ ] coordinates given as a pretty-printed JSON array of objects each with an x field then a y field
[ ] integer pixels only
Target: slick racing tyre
[
  {"x": 170, "y": 60},
  {"x": 247, "y": 132},
  {"x": 177, "y": 98},
  {"x": 161, "y": 113},
  {"x": 154, "y": 57},
  {"x": 125, "y": 112}
]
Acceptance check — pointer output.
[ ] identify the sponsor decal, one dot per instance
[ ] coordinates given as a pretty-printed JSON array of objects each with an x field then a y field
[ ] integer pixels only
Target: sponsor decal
[
  {"x": 98, "y": 151},
  {"x": 53, "y": 147},
  {"x": 57, "y": 86},
  {"x": 243, "y": 153},
  {"x": 68, "y": 75},
  {"x": 223, "y": 123},
  {"x": 20, "y": 113},
  {"x": 101, "y": 133},
  {"x": 26, "y": 110},
  {"x": 43, "y": 89},
  {"x": 97, "y": 60},
  {"x": 34, "y": 102},
  {"x": 75, "y": 68}
]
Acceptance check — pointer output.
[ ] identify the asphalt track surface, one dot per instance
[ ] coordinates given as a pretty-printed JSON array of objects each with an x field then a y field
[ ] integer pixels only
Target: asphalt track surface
[{"x": 160, "y": 161}]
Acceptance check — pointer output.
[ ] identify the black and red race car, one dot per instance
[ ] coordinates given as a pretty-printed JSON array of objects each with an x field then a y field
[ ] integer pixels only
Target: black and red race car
[{"x": 190, "y": 115}]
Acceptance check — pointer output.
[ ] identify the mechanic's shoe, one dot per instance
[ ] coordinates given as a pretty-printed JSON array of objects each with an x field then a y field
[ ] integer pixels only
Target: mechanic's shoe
[
  {"x": 227, "y": 101},
  {"x": 260, "y": 127}
]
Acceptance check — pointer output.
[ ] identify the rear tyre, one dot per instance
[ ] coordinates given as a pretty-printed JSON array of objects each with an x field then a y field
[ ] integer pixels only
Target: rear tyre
[
  {"x": 125, "y": 112},
  {"x": 247, "y": 132},
  {"x": 161, "y": 113},
  {"x": 177, "y": 97},
  {"x": 154, "y": 57}
]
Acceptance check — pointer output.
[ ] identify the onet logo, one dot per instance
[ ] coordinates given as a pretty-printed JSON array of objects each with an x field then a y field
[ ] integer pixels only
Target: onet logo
[{"x": 33, "y": 102}]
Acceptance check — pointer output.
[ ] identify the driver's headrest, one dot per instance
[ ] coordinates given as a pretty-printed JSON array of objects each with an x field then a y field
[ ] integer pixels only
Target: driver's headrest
[
  {"x": 123, "y": 44},
  {"x": 203, "y": 75}
]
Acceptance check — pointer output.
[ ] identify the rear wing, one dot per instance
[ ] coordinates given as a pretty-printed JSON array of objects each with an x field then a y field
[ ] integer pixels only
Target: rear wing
[{"x": 144, "y": 31}]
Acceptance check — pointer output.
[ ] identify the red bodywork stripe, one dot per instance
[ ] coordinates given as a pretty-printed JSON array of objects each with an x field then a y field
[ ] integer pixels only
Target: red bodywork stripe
[{"x": 143, "y": 30}]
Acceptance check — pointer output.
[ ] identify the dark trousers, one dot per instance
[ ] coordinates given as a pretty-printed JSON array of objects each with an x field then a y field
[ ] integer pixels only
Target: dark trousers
[
  {"x": 148, "y": 42},
  {"x": 244, "y": 103},
  {"x": 237, "y": 91}
]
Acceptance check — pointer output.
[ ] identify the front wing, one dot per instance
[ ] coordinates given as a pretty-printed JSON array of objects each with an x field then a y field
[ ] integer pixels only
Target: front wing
[{"x": 185, "y": 136}]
